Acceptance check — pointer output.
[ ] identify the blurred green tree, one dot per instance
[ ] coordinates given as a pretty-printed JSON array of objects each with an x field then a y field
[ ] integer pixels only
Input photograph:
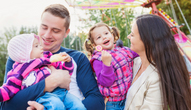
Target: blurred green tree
[{"x": 120, "y": 18}]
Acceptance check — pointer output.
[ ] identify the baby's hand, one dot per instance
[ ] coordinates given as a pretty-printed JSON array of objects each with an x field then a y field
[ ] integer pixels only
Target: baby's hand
[
  {"x": 66, "y": 57},
  {"x": 106, "y": 58},
  {"x": 60, "y": 57}
]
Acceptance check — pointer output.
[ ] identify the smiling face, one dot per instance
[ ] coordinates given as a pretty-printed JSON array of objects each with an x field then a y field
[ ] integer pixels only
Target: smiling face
[
  {"x": 52, "y": 32},
  {"x": 37, "y": 50},
  {"x": 136, "y": 42},
  {"x": 103, "y": 37}
]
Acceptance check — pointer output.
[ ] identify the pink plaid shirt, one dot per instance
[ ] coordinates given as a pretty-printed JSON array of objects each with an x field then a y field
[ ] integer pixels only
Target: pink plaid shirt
[{"x": 122, "y": 62}]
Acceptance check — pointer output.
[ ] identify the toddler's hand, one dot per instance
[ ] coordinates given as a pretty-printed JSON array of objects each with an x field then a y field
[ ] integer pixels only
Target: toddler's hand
[
  {"x": 66, "y": 58},
  {"x": 106, "y": 58}
]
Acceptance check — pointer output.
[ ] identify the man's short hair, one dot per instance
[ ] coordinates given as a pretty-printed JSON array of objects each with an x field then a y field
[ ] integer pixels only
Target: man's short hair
[{"x": 59, "y": 11}]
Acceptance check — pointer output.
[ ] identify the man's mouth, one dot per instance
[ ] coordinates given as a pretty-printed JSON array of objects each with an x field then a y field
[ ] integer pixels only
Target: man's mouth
[{"x": 47, "y": 41}]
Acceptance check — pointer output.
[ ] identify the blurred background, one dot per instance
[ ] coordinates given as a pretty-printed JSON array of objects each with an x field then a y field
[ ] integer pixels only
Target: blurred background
[{"x": 23, "y": 16}]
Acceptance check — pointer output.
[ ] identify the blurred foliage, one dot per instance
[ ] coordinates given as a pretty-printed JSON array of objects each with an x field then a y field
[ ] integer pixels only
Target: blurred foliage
[
  {"x": 185, "y": 6},
  {"x": 73, "y": 42},
  {"x": 120, "y": 18}
]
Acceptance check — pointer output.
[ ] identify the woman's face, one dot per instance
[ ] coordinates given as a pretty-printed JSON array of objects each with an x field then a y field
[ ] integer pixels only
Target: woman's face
[{"x": 136, "y": 42}]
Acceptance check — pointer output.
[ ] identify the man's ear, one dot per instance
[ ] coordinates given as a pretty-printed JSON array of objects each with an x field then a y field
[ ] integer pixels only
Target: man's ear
[{"x": 67, "y": 32}]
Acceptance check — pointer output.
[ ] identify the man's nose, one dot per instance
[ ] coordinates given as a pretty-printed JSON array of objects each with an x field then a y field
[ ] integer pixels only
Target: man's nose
[{"x": 48, "y": 34}]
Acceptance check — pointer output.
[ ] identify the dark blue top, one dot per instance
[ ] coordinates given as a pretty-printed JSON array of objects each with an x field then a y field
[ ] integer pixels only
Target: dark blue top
[{"x": 85, "y": 80}]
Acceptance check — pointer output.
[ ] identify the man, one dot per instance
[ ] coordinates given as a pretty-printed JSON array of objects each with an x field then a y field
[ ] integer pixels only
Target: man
[{"x": 55, "y": 21}]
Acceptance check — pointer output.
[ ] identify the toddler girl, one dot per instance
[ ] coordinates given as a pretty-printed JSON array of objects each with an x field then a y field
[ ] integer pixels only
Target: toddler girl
[{"x": 112, "y": 65}]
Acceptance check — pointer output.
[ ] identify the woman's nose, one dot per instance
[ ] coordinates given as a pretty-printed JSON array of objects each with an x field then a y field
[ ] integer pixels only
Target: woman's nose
[{"x": 129, "y": 36}]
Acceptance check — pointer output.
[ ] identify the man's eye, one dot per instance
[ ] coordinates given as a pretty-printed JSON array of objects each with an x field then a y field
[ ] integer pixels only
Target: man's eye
[
  {"x": 43, "y": 27},
  {"x": 56, "y": 31}
]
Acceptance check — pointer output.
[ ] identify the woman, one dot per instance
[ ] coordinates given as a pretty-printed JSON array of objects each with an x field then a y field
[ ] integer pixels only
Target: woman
[{"x": 161, "y": 79}]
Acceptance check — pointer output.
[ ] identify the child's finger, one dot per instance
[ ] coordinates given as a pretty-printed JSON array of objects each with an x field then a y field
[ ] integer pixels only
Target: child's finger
[
  {"x": 67, "y": 58},
  {"x": 63, "y": 53}
]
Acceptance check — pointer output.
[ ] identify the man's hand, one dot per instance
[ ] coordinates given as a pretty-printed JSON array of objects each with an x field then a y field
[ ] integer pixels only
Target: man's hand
[
  {"x": 58, "y": 78},
  {"x": 33, "y": 105},
  {"x": 106, "y": 58}
]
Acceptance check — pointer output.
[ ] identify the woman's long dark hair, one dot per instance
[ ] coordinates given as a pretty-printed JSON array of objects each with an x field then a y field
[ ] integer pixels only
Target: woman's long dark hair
[{"x": 161, "y": 48}]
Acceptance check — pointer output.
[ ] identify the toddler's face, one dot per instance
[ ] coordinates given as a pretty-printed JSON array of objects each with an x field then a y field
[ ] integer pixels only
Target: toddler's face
[
  {"x": 37, "y": 50},
  {"x": 103, "y": 37}
]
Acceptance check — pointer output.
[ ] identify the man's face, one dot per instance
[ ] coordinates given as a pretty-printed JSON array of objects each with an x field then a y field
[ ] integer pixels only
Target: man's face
[{"x": 52, "y": 32}]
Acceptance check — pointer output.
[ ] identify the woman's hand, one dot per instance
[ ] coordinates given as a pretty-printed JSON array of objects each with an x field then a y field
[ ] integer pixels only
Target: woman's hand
[{"x": 33, "y": 105}]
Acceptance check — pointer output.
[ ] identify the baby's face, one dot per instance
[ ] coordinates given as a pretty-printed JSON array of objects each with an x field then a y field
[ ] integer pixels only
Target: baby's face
[{"x": 37, "y": 50}]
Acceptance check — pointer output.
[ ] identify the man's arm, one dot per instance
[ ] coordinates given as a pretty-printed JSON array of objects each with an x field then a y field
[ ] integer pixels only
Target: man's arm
[
  {"x": 88, "y": 85},
  {"x": 8, "y": 67},
  {"x": 19, "y": 101}
]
